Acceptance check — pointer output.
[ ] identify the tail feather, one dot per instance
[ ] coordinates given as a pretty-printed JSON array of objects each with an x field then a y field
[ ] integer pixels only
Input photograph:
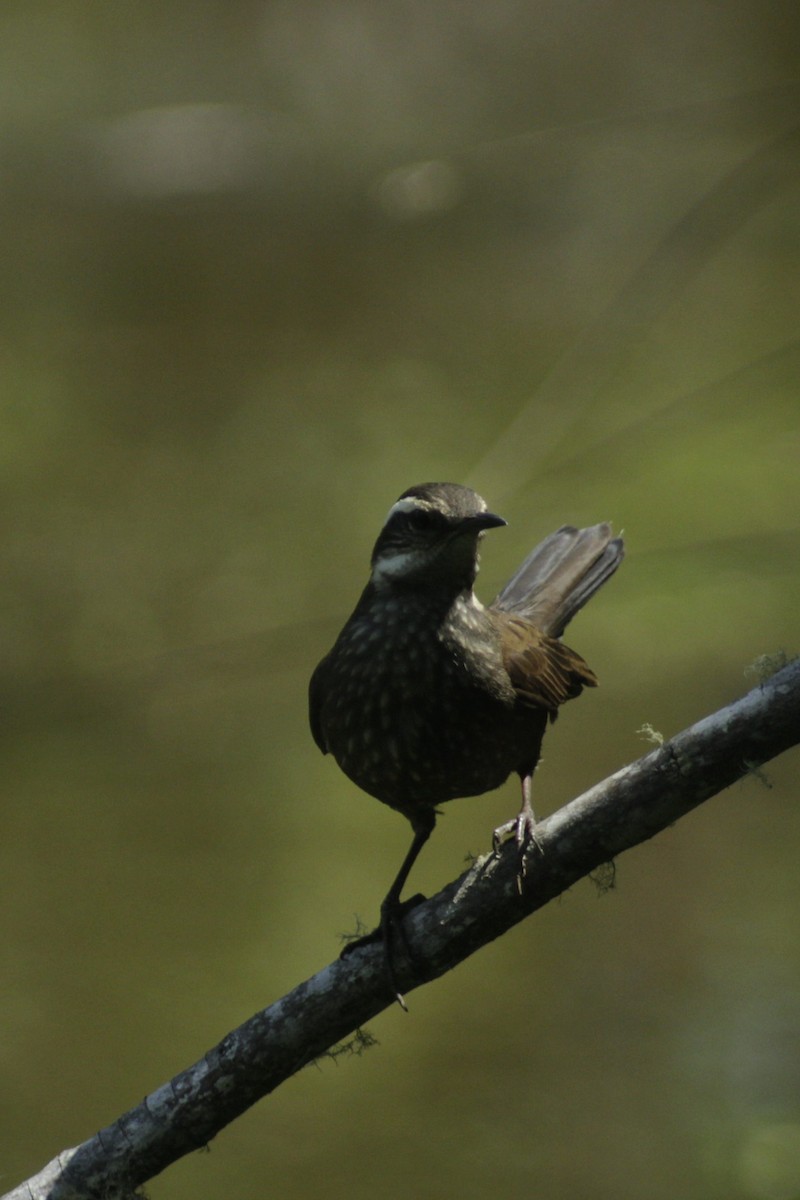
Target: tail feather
[{"x": 560, "y": 575}]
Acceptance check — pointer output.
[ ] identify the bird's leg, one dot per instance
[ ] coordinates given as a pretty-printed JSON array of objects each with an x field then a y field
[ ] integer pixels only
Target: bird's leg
[
  {"x": 523, "y": 826},
  {"x": 391, "y": 924}
]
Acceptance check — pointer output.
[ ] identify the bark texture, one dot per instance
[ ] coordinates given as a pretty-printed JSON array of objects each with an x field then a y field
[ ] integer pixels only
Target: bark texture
[{"x": 251, "y": 1061}]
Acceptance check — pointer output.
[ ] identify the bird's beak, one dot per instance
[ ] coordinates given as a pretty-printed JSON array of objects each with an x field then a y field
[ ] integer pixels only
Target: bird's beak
[{"x": 483, "y": 521}]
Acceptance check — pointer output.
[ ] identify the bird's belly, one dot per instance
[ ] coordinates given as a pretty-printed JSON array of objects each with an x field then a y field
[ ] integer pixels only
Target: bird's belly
[{"x": 426, "y": 723}]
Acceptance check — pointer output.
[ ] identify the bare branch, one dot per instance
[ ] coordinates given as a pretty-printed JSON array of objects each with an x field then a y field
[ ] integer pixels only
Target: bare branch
[{"x": 629, "y": 807}]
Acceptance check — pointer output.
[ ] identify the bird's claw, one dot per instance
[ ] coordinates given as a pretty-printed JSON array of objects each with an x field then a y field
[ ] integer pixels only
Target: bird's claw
[
  {"x": 524, "y": 829},
  {"x": 390, "y": 931}
]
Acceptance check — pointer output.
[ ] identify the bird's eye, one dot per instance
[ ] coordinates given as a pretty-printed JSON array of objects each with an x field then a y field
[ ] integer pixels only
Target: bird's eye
[{"x": 422, "y": 519}]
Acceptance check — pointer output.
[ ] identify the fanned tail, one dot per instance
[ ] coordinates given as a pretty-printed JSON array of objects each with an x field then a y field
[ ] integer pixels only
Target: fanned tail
[{"x": 560, "y": 575}]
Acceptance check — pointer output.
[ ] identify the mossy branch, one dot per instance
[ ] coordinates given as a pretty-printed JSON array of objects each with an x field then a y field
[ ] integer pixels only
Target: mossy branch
[{"x": 629, "y": 807}]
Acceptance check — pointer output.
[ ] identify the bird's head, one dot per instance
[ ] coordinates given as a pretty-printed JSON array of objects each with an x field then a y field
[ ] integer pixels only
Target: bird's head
[{"x": 430, "y": 539}]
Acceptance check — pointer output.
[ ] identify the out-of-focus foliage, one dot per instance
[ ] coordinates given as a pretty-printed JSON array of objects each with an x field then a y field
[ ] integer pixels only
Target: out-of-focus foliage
[{"x": 265, "y": 266}]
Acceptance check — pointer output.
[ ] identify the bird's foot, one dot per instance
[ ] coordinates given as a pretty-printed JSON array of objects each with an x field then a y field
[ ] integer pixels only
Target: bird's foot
[
  {"x": 356, "y": 941},
  {"x": 390, "y": 932},
  {"x": 524, "y": 829}
]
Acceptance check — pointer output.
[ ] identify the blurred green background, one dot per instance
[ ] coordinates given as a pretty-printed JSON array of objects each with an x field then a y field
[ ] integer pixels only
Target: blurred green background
[{"x": 264, "y": 267}]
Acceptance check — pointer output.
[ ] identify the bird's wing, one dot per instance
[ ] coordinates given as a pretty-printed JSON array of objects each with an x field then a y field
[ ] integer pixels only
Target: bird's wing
[{"x": 544, "y": 671}]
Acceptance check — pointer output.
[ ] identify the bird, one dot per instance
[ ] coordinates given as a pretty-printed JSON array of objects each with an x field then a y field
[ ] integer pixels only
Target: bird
[{"x": 427, "y": 695}]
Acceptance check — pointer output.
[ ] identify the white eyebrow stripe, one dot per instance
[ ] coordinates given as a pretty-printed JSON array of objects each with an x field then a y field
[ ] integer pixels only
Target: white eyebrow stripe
[{"x": 409, "y": 504}]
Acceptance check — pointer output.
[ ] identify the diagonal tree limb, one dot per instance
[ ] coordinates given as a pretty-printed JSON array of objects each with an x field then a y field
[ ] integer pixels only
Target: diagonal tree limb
[{"x": 629, "y": 807}]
